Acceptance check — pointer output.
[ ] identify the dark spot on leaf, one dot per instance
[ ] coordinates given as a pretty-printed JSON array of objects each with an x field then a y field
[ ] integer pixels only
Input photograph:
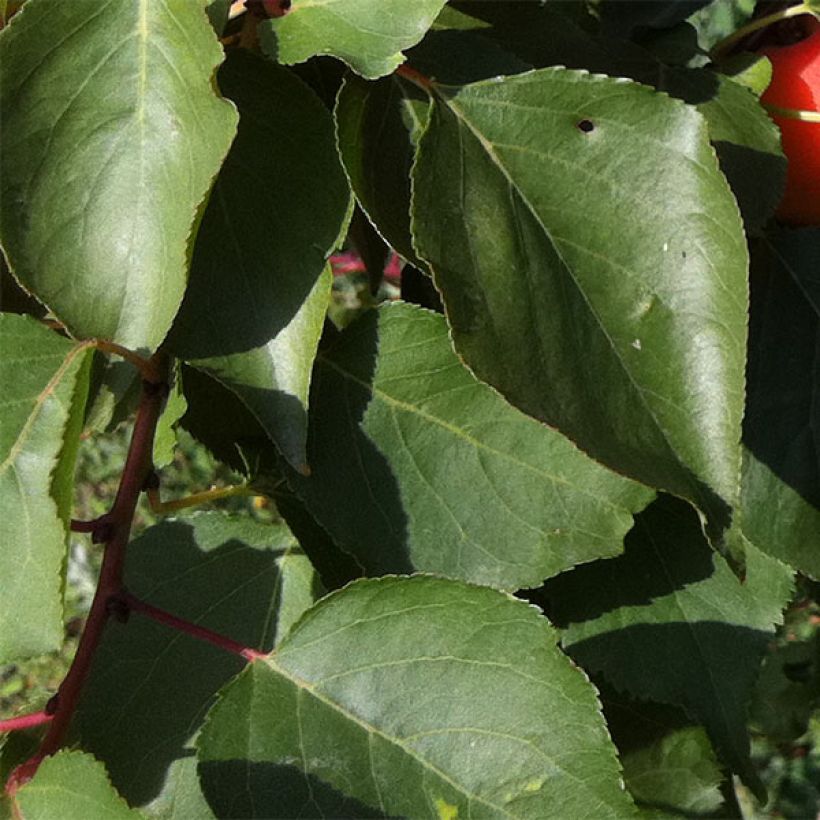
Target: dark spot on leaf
[{"x": 586, "y": 126}]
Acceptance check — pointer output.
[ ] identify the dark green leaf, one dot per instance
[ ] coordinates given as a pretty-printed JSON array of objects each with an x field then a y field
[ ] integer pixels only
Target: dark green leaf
[
  {"x": 669, "y": 621},
  {"x": 377, "y": 124},
  {"x": 43, "y": 384},
  {"x": 788, "y": 690},
  {"x": 555, "y": 211},
  {"x": 114, "y": 135},
  {"x": 151, "y": 686},
  {"x": 418, "y": 696},
  {"x": 78, "y": 785},
  {"x": 273, "y": 381},
  {"x": 417, "y": 465},
  {"x": 254, "y": 308},
  {"x": 781, "y": 460},
  {"x": 218, "y": 419},
  {"x": 746, "y": 140},
  {"x": 368, "y": 35}
]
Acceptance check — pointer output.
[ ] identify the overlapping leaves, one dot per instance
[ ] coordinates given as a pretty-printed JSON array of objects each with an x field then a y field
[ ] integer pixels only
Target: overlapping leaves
[
  {"x": 275, "y": 214},
  {"x": 438, "y": 473},
  {"x": 589, "y": 215},
  {"x": 151, "y": 686},
  {"x": 670, "y": 622}
]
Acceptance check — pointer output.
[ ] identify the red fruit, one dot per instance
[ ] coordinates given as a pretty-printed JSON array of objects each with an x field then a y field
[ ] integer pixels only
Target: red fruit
[{"x": 796, "y": 85}]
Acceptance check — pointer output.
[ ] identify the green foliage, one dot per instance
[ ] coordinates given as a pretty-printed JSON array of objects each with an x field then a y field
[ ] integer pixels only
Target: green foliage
[
  {"x": 121, "y": 128},
  {"x": 537, "y": 541},
  {"x": 43, "y": 379},
  {"x": 480, "y": 682}
]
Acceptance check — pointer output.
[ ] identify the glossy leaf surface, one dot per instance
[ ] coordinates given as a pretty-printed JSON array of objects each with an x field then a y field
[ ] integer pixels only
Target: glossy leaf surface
[
  {"x": 117, "y": 121},
  {"x": 368, "y": 35},
  {"x": 561, "y": 205},
  {"x": 415, "y": 696},
  {"x": 439, "y": 473},
  {"x": 43, "y": 379}
]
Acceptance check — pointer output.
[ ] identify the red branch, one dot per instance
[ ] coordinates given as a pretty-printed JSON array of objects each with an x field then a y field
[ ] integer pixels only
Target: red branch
[
  {"x": 114, "y": 530},
  {"x": 200, "y": 632},
  {"x": 25, "y": 721}
]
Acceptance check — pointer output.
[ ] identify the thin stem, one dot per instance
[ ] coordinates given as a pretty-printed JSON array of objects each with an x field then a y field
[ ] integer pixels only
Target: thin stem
[
  {"x": 793, "y": 113},
  {"x": 147, "y": 367},
  {"x": 84, "y": 526},
  {"x": 415, "y": 77},
  {"x": 115, "y": 534},
  {"x": 201, "y": 633},
  {"x": 755, "y": 25},
  {"x": 25, "y": 721},
  {"x": 195, "y": 499}
]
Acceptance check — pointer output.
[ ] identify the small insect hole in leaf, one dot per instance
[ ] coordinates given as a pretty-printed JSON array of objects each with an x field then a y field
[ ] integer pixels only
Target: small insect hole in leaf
[{"x": 586, "y": 126}]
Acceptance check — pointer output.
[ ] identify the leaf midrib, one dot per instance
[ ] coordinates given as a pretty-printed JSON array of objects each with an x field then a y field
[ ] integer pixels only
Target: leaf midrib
[{"x": 496, "y": 161}]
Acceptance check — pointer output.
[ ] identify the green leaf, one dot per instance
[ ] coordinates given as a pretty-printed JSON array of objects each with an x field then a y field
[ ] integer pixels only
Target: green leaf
[
  {"x": 716, "y": 21},
  {"x": 781, "y": 461},
  {"x": 77, "y": 784},
  {"x": 377, "y": 124},
  {"x": 113, "y": 393},
  {"x": 788, "y": 690},
  {"x": 115, "y": 120},
  {"x": 43, "y": 384},
  {"x": 419, "y": 696},
  {"x": 416, "y": 465},
  {"x": 678, "y": 773},
  {"x": 151, "y": 686},
  {"x": 368, "y": 35},
  {"x": 256, "y": 302},
  {"x": 274, "y": 380},
  {"x": 669, "y": 621},
  {"x": 165, "y": 438},
  {"x": 746, "y": 140},
  {"x": 540, "y": 230}
]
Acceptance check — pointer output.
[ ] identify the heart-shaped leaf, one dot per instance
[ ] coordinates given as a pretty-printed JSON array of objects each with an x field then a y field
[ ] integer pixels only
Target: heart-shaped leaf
[{"x": 414, "y": 696}]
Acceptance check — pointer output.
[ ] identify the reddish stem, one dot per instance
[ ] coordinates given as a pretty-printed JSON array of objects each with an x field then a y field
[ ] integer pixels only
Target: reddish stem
[
  {"x": 194, "y": 630},
  {"x": 84, "y": 526},
  {"x": 25, "y": 721},
  {"x": 414, "y": 76},
  {"x": 114, "y": 530}
]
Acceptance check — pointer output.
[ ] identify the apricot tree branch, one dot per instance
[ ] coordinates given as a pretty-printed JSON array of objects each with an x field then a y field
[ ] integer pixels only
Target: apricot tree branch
[{"x": 113, "y": 529}]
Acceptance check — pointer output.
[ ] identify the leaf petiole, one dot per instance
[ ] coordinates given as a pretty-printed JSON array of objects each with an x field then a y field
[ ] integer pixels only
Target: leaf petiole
[{"x": 195, "y": 499}]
